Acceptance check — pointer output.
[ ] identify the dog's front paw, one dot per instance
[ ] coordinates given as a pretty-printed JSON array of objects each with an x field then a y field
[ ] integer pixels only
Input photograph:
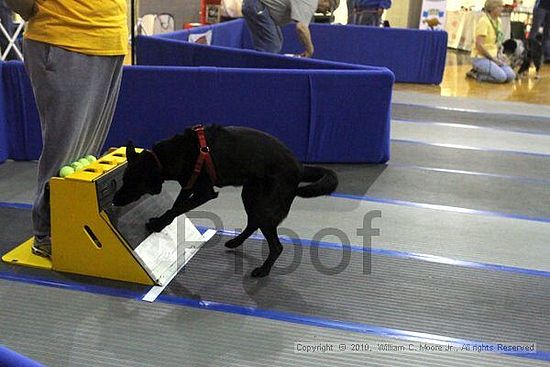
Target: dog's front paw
[
  {"x": 260, "y": 272},
  {"x": 233, "y": 243},
  {"x": 155, "y": 225}
]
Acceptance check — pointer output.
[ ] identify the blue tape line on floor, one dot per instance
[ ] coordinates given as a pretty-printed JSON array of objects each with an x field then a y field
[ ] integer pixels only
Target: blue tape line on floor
[
  {"x": 340, "y": 325},
  {"x": 465, "y": 147},
  {"x": 15, "y": 205},
  {"x": 278, "y": 316},
  {"x": 460, "y": 109},
  {"x": 394, "y": 253},
  {"x": 473, "y": 127},
  {"x": 447, "y": 208},
  {"x": 356, "y": 248},
  {"x": 412, "y": 204},
  {"x": 86, "y": 288},
  {"x": 523, "y": 179}
]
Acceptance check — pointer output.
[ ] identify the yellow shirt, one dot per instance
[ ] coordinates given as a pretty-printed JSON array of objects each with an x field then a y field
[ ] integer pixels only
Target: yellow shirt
[
  {"x": 485, "y": 28},
  {"x": 92, "y": 27}
]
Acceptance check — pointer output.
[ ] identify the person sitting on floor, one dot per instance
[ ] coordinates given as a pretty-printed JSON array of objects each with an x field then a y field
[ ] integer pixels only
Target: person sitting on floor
[{"x": 488, "y": 64}]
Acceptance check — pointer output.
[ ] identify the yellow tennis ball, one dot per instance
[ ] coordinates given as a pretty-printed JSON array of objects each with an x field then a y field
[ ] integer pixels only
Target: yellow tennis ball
[
  {"x": 77, "y": 166},
  {"x": 84, "y": 162},
  {"x": 90, "y": 158},
  {"x": 65, "y": 171}
]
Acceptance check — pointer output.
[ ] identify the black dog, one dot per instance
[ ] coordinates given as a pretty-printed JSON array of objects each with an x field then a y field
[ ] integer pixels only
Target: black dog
[
  {"x": 231, "y": 156},
  {"x": 524, "y": 53}
]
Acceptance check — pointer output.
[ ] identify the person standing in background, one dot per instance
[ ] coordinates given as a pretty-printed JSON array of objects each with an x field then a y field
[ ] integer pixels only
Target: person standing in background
[
  {"x": 367, "y": 12},
  {"x": 265, "y": 18},
  {"x": 541, "y": 18},
  {"x": 74, "y": 51}
]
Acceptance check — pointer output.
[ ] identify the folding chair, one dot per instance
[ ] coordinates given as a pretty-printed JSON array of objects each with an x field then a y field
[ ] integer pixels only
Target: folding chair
[
  {"x": 151, "y": 24},
  {"x": 12, "y": 40},
  {"x": 164, "y": 23},
  {"x": 145, "y": 25}
]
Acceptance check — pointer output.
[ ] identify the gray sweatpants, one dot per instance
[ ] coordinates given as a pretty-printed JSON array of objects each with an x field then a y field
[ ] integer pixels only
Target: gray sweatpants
[{"x": 76, "y": 96}]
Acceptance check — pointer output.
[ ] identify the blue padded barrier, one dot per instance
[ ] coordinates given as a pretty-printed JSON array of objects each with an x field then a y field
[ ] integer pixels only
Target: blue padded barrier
[
  {"x": 309, "y": 116},
  {"x": 311, "y": 111},
  {"x": 226, "y": 34},
  {"x": 339, "y": 133},
  {"x": 414, "y": 56},
  {"x": 23, "y": 124},
  {"x": 233, "y": 33},
  {"x": 170, "y": 52},
  {"x": 188, "y": 96},
  {"x": 329, "y": 132},
  {"x": 9, "y": 358},
  {"x": 4, "y": 150}
]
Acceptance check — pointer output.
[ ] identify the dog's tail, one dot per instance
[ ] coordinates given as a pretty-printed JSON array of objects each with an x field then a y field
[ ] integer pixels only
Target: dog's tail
[{"x": 323, "y": 181}]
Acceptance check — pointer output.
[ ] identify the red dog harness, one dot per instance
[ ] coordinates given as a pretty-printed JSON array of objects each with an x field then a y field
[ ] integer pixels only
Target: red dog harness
[{"x": 204, "y": 157}]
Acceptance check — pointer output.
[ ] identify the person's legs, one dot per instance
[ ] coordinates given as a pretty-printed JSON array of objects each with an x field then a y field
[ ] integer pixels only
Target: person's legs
[
  {"x": 76, "y": 97},
  {"x": 266, "y": 35},
  {"x": 351, "y": 5},
  {"x": 353, "y": 16},
  {"x": 489, "y": 71},
  {"x": 546, "y": 36},
  {"x": 373, "y": 18},
  {"x": 369, "y": 17},
  {"x": 539, "y": 16}
]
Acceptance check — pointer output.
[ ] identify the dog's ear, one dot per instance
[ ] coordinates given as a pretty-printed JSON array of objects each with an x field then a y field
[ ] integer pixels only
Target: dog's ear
[{"x": 130, "y": 151}]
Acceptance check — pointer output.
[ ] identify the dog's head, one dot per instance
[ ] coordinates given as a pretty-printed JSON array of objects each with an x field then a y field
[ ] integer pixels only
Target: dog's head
[
  {"x": 142, "y": 176},
  {"x": 509, "y": 47}
]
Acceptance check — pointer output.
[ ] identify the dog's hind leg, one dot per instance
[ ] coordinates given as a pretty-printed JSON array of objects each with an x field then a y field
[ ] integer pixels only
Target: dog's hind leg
[
  {"x": 525, "y": 66},
  {"x": 537, "y": 61},
  {"x": 267, "y": 202},
  {"x": 250, "y": 195},
  {"x": 275, "y": 249}
]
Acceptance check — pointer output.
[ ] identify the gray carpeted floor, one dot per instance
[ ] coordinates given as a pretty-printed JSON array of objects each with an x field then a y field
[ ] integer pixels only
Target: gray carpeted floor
[{"x": 532, "y": 124}]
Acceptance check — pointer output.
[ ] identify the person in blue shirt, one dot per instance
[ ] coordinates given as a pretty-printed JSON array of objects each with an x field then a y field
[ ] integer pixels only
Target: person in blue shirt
[{"x": 367, "y": 12}]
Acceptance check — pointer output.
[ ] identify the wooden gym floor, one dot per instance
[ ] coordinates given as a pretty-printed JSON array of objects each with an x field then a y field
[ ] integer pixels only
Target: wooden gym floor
[{"x": 455, "y": 84}]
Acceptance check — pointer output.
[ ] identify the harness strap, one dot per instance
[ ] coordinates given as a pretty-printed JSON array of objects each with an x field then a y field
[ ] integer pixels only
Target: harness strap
[{"x": 203, "y": 157}]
